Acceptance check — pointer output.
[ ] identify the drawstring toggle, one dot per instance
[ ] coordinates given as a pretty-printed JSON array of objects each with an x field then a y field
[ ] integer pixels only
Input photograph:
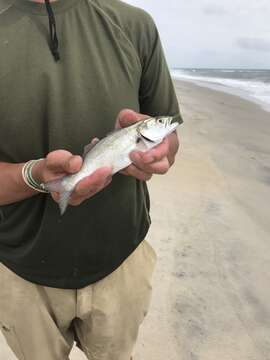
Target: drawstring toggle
[{"x": 53, "y": 34}]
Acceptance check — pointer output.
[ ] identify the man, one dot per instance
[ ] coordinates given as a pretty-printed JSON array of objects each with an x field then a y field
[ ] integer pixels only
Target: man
[{"x": 67, "y": 71}]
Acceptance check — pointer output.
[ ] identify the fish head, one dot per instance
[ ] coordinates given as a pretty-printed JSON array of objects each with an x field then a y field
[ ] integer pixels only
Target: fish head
[{"x": 156, "y": 129}]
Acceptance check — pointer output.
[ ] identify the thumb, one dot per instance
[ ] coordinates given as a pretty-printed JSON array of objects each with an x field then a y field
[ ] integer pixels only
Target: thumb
[
  {"x": 127, "y": 117},
  {"x": 63, "y": 161}
]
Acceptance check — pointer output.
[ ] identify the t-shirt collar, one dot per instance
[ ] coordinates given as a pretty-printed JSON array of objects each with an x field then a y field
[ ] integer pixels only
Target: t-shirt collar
[{"x": 36, "y": 8}]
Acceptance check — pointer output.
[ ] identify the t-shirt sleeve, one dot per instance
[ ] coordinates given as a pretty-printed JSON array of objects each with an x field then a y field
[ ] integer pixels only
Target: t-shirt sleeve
[{"x": 157, "y": 95}]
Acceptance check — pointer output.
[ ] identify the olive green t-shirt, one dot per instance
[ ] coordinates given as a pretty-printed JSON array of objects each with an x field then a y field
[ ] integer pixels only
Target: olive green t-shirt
[{"x": 110, "y": 58}]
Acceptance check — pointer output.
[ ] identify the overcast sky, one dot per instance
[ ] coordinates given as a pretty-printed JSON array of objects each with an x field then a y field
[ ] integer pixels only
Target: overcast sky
[{"x": 205, "y": 33}]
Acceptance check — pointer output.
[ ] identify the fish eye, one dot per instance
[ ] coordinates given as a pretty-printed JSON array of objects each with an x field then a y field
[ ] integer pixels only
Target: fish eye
[{"x": 160, "y": 121}]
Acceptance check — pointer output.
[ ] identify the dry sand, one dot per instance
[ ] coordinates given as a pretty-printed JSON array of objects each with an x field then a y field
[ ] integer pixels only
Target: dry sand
[{"x": 211, "y": 230}]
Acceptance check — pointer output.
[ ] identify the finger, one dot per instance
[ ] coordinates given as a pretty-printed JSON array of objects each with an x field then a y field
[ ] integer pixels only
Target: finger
[
  {"x": 55, "y": 196},
  {"x": 127, "y": 117},
  {"x": 133, "y": 171},
  {"x": 63, "y": 161},
  {"x": 107, "y": 181},
  {"x": 74, "y": 164},
  {"x": 93, "y": 182},
  {"x": 54, "y": 159},
  {"x": 124, "y": 172},
  {"x": 157, "y": 153},
  {"x": 157, "y": 167},
  {"x": 78, "y": 199},
  {"x": 95, "y": 141},
  {"x": 160, "y": 167},
  {"x": 74, "y": 200}
]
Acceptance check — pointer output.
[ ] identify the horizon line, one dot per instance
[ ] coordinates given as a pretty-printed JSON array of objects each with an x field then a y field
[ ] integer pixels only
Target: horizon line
[{"x": 219, "y": 68}]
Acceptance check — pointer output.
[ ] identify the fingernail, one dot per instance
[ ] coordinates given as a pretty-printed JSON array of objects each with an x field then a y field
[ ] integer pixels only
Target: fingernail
[
  {"x": 135, "y": 157},
  {"x": 73, "y": 167}
]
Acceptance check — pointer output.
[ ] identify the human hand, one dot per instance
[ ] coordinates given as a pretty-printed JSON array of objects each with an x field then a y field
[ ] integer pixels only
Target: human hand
[
  {"x": 60, "y": 163},
  {"x": 157, "y": 160}
]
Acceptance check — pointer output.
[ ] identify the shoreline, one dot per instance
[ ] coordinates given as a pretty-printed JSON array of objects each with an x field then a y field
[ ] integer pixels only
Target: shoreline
[{"x": 226, "y": 89}]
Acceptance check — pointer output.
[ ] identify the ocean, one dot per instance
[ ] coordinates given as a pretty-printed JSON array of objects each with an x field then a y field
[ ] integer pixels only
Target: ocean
[{"x": 253, "y": 85}]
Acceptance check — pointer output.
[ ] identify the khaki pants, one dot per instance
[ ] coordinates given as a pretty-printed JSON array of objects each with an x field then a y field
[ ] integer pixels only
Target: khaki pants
[{"x": 41, "y": 323}]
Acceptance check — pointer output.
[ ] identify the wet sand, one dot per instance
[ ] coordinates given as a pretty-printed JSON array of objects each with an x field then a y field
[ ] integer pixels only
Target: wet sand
[{"x": 211, "y": 231}]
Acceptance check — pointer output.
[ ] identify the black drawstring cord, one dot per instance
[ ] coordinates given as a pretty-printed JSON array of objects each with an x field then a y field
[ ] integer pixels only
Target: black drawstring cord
[{"x": 53, "y": 33}]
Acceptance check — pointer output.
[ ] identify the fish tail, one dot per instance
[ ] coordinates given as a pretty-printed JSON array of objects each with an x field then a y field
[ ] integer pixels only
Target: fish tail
[
  {"x": 57, "y": 186},
  {"x": 54, "y": 186},
  {"x": 64, "y": 200}
]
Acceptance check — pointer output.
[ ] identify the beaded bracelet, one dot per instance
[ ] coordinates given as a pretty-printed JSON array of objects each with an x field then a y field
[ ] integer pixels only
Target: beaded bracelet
[{"x": 28, "y": 177}]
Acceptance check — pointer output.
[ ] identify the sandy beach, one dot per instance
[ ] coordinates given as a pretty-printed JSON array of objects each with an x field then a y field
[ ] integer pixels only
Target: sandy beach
[{"x": 211, "y": 231}]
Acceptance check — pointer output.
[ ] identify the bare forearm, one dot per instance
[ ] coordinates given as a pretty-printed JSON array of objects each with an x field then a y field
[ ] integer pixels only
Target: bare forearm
[{"x": 12, "y": 185}]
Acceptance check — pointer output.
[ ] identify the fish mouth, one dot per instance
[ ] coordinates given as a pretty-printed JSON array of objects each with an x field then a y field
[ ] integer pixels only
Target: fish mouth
[
  {"x": 157, "y": 129},
  {"x": 146, "y": 138},
  {"x": 170, "y": 128}
]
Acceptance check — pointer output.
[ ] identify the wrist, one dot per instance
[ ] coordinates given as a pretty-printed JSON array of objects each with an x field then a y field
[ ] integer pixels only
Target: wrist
[
  {"x": 28, "y": 177},
  {"x": 38, "y": 170}
]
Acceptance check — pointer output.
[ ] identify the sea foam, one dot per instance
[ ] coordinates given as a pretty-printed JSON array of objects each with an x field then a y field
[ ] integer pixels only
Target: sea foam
[{"x": 251, "y": 84}]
